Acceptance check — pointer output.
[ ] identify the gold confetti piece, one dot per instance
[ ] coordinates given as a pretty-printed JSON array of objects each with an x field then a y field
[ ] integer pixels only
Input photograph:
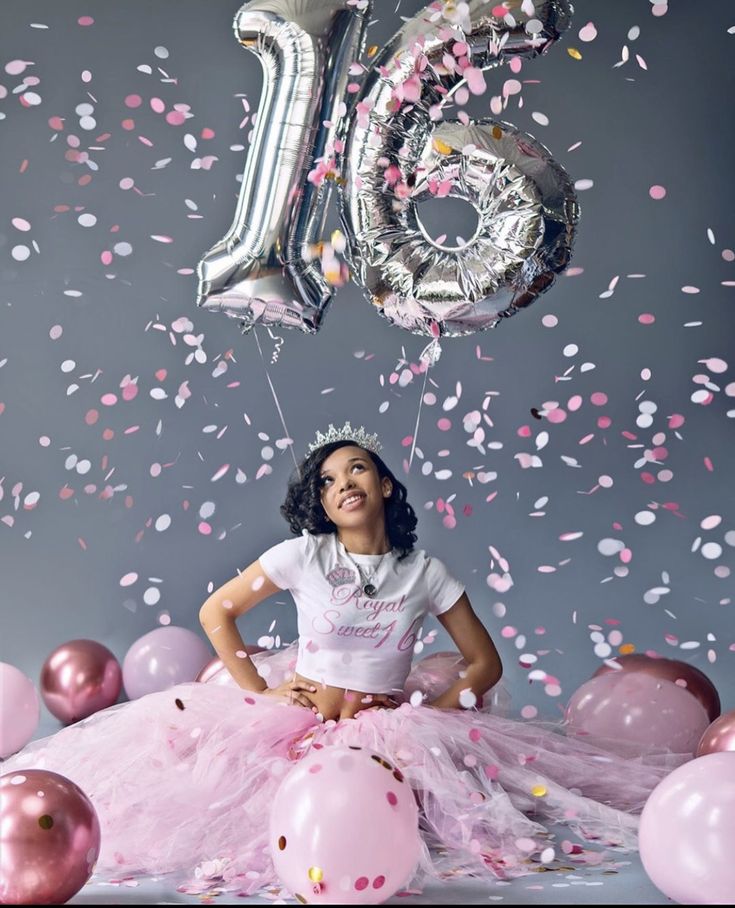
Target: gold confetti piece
[
  {"x": 442, "y": 147},
  {"x": 316, "y": 874},
  {"x": 573, "y": 52},
  {"x": 372, "y": 50},
  {"x": 626, "y": 649},
  {"x": 538, "y": 791},
  {"x": 497, "y": 132}
]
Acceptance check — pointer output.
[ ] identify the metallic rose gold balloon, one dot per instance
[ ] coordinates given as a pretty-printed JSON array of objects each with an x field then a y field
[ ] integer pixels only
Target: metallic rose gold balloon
[
  {"x": 719, "y": 736},
  {"x": 49, "y": 838},
  {"x": 79, "y": 678},
  {"x": 695, "y": 681},
  {"x": 214, "y": 671}
]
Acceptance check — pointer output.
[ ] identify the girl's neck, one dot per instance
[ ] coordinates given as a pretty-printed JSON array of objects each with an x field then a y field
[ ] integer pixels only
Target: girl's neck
[{"x": 363, "y": 542}]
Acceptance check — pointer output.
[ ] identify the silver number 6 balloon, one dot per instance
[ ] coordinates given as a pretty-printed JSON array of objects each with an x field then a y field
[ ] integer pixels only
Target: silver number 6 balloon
[{"x": 392, "y": 155}]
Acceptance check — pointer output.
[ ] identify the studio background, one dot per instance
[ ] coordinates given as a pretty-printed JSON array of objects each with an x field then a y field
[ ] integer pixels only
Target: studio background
[{"x": 144, "y": 443}]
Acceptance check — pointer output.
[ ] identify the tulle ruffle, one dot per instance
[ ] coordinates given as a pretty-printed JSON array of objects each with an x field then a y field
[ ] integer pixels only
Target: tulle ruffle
[{"x": 185, "y": 778}]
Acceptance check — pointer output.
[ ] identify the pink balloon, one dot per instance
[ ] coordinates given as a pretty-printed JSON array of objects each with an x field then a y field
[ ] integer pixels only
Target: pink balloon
[
  {"x": 20, "y": 709},
  {"x": 163, "y": 658},
  {"x": 49, "y": 838},
  {"x": 685, "y": 675},
  {"x": 79, "y": 678},
  {"x": 632, "y": 708},
  {"x": 214, "y": 672},
  {"x": 344, "y": 828},
  {"x": 719, "y": 736},
  {"x": 687, "y": 832}
]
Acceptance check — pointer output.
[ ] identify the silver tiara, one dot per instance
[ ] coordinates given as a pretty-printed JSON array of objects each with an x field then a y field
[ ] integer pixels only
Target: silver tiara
[{"x": 359, "y": 436}]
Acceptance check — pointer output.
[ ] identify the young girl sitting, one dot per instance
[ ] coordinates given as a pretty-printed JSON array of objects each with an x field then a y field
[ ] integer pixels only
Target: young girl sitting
[{"x": 186, "y": 776}]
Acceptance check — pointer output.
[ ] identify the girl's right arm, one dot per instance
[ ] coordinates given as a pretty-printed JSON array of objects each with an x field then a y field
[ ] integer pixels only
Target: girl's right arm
[{"x": 218, "y": 619}]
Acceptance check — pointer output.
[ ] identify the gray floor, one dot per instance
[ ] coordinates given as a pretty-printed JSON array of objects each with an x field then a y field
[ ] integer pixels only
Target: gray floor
[{"x": 627, "y": 885}]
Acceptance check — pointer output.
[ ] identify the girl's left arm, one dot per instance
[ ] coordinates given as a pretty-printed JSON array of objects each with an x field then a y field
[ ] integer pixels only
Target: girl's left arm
[{"x": 484, "y": 668}]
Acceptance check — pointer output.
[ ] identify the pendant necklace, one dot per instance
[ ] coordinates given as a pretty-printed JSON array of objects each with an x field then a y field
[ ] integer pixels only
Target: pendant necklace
[{"x": 368, "y": 588}]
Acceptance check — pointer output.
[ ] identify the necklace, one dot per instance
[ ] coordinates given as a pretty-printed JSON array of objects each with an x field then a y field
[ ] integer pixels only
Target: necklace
[{"x": 368, "y": 587}]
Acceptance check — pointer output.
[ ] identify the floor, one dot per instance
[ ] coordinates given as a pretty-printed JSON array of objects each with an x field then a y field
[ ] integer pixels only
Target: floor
[{"x": 628, "y": 886}]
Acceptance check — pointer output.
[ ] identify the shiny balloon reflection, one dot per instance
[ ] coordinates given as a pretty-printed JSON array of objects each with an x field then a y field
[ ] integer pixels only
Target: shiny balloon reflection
[
  {"x": 79, "y": 678},
  {"x": 49, "y": 838},
  {"x": 719, "y": 736}
]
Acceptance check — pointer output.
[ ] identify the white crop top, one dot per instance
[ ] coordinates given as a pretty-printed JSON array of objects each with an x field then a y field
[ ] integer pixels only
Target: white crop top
[{"x": 345, "y": 638}]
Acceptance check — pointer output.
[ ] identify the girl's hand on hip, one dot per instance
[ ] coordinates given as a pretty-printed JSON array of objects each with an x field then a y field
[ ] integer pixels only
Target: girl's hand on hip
[{"x": 295, "y": 692}]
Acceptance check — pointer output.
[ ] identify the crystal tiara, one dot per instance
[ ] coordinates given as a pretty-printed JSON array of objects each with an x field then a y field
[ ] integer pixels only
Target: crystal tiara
[{"x": 359, "y": 436}]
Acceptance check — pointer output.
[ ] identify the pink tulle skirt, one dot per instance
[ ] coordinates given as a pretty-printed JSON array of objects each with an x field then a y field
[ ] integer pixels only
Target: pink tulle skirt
[{"x": 183, "y": 780}]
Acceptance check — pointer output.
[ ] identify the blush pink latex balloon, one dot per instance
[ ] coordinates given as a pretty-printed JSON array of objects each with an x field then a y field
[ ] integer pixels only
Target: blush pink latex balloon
[
  {"x": 163, "y": 658},
  {"x": 214, "y": 672},
  {"x": 344, "y": 828},
  {"x": 49, "y": 838},
  {"x": 79, "y": 678},
  {"x": 639, "y": 710},
  {"x": 687, "y": 832},
  {"x": 20, "y": 709},
  {"x": 718, "y": 737},
  {"x": 685, "y": 675}
]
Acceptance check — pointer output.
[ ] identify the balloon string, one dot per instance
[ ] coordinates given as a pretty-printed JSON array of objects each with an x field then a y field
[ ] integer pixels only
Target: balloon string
[
  {"x": 429, "y": 355},
  {"x": 278, "y": 405}
]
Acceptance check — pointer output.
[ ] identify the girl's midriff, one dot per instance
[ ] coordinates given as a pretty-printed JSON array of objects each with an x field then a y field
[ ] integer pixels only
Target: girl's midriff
[{"x": 341, "y": 703}]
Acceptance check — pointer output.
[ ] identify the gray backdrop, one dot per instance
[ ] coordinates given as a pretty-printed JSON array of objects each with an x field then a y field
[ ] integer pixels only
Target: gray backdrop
[{"x": 96, "y": 488}]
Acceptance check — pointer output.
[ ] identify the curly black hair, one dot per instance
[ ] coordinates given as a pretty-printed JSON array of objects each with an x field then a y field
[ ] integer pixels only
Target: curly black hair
[{"x": 303, "y": 509}]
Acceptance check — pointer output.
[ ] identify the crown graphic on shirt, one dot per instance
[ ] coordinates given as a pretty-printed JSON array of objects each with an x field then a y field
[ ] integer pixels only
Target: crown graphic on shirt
[{"x": 346, "y": 433}]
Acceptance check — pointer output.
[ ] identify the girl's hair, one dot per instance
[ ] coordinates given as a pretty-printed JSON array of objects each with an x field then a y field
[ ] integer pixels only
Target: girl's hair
[{"x": 303, "y": 509}]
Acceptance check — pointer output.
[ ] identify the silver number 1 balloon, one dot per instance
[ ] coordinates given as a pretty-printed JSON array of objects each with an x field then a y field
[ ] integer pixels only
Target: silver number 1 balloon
[
  {"x": 260, "y": 272},
  {"x": 525, "y": 202}
]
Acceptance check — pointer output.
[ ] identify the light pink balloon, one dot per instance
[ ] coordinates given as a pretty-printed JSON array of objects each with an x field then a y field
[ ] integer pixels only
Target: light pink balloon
[
  {"x": 635, "y": 708},
  {"x": 49, "y": 838},
  {"x": 344, "y": 828},
  {"x": 687, "y": 832},
  {"x": 214, "y": 672},
  {"x": 163, "y": 658},
  {"x": 79, "y": 678},
  {"x": 719, "y": 736},
  {"x": 20, "y": 709}
]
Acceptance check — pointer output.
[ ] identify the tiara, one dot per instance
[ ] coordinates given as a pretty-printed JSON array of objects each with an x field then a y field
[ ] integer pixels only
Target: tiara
[{"x": 359, "y": 436}]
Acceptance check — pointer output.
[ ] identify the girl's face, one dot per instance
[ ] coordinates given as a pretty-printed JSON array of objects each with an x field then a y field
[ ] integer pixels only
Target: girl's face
[{"x": 352, "y": 492}]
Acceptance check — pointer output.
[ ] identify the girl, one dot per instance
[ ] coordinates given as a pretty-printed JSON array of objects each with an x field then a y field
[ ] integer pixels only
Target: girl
[{"x": 186, "y": 776}]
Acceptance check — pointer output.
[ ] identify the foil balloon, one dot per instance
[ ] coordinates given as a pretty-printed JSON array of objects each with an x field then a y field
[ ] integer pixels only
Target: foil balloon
[
  {"x": 525, "y": 202},
  {"x": 681, "y": 673},
  {"x": 719, "y": 736},
  {"x": 79, "y": 678},
  {"x": 262, "y": 272},
  {"x": 386, "y": 152},
  {"x": 49, "y": 838}
]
